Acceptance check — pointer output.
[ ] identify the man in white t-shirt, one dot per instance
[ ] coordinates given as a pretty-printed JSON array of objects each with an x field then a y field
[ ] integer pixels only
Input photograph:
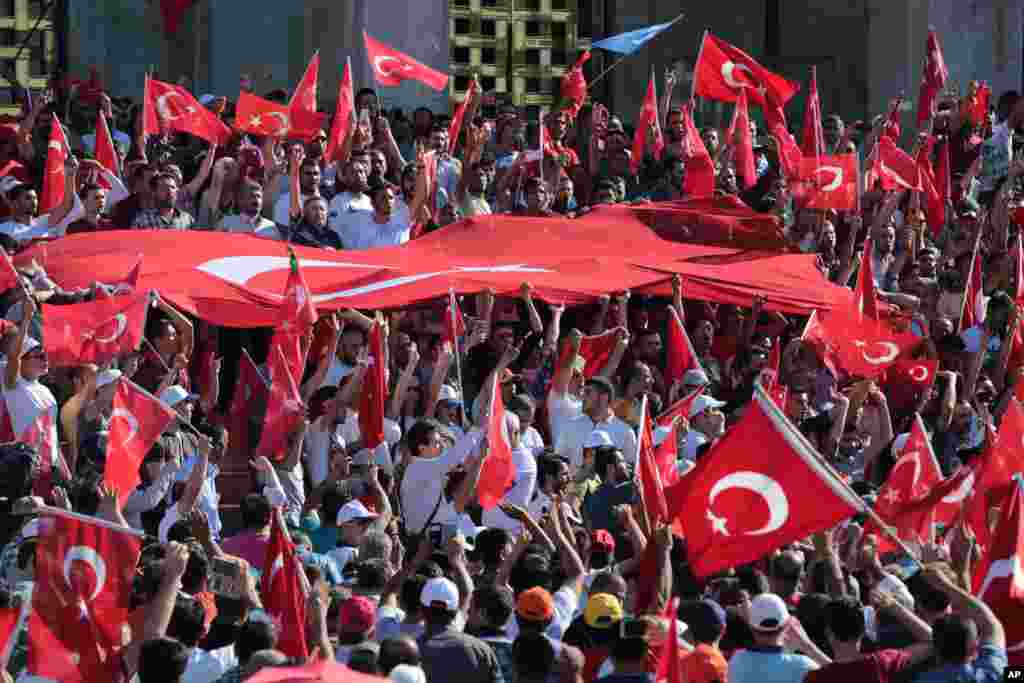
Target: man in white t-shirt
[
  {"x": 199, "y": 490},
  {"x": 23, "y": 199},
  {"x": 31, "y": 405},
  {"x": 379, "y": 228},
  {"x": 598, "y": 395},
  {"x": 563, "y": 400},
  {"x": 353, "y": 340}
]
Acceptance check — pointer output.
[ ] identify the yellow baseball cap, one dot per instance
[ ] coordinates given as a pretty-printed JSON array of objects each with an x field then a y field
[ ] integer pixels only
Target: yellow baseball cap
[{"x": 603, "y": 611}]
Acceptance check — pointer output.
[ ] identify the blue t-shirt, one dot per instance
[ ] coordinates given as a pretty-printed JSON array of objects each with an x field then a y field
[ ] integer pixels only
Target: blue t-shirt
[
  {"x": 987, "y": 667},
  {"x": 768, "y": 665}
]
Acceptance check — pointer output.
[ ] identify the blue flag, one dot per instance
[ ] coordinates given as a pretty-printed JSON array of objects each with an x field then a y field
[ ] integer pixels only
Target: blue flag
[{"x": 631, "y": 41}]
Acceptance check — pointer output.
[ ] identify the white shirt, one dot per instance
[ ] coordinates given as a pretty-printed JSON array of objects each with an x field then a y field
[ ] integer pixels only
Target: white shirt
[
  {"x": 283, "y": 206},
  {"x": 40, "y": 227},
  {"x": 360, "y": 230},
  {"x": 207, "y": 666},
  {"x": 249, "y": 225},
  {"x": 574, "y": 434},
  {"x": 209, "y": 499},
  {"x": 33, "y": 411},
  {"x": 521, "y": 492},
  {"x": 531, "y": 439},
  {"x": 316, "y": 449},
  {"x": 344, "y": 204},
  {"x": 694, "y": 440},
  {"x": 424, "y": 479},
  {"x": 561, "y": 409}
]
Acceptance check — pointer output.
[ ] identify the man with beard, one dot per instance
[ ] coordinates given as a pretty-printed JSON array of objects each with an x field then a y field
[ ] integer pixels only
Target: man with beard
[
  {"x": 617, "y": 488},
  {"x": 671, "y": 185},
  {"x": 598, "y": 396},
  {"x": 353, "y": 198},
  {"x": 449, "y": 169},
  {"x": 353, "y": 340},
  {"x": 249, "y": 218},
  {"x": 834, "y": 130},
  {"x": 675, "y": 133},
  {"x": 382, "y": 227},
  {"x": 164, "y": 215}
]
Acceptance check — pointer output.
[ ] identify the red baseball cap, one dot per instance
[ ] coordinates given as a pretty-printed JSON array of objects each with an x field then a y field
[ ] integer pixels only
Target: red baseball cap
[
  {"x": 602, "y": 538},
  {"x": 357, "y": 615}
]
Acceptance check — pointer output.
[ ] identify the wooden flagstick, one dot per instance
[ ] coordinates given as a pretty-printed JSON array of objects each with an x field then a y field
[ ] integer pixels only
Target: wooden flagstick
[
  {"x": 623, "y": 57},
  {"x": 458, "y": 361}
]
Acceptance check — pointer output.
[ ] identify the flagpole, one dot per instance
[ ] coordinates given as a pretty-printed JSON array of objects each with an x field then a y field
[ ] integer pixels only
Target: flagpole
[
  {"x": 458, "y": 361},
  {"x": 693, "y": 81},
  {"x": 628, "y": 54},
  {"x": 61, "y": 512},
  {"x": 864, "y": 508}
]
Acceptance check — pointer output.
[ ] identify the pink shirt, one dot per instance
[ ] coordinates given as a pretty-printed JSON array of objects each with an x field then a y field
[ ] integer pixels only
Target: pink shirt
[{"x": 251, "y": 546}]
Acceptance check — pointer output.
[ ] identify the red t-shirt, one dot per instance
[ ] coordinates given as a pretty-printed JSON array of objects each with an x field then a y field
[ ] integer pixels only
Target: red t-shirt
[{"x": 877, "y": 667}]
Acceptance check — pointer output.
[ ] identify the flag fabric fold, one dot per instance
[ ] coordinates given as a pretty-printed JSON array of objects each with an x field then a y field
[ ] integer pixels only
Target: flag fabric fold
[
  {"x": 94, "y": 331},
  {"x": 648, "y": 124},
  {"x": 373, "y": 398},
  {"x": 629, "y": 42},
  {"x": 172, "y": 107},
  {"x": 723, "y": 70},
  {"x": 391, "y": 67},
  {"x": 498, "y": 472},
  {"x": 343, "y": 114},
  {"x": 137, "y": 420},
  {"x": 282, "y": 589}
]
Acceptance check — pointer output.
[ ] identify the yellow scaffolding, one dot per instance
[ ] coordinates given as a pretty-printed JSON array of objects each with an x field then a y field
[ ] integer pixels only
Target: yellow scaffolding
[{"x": 35, "y": 65}]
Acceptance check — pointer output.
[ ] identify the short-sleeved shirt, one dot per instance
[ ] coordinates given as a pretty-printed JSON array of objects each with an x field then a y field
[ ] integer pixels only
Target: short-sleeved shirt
[
  {"x": 769, "y": 665},
  {"x": 877, "y": 667},
  {"x": 987, "y": 667},
  {"x": 360, "y": 230},
  {"x": 450, "y": 655},
  {"x": 153, "y": 219},
  {"x": 705, "y": 664}
]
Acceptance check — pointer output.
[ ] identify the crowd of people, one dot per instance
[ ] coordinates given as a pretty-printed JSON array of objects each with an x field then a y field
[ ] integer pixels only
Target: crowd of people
[{"x": 409, "y": 577}]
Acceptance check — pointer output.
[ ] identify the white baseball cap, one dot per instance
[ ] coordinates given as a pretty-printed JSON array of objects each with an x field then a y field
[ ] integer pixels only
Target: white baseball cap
[
  {"x": 29, "y": 345},
  {"x": 407, "y": 673},
  {"x": 448, "y": 393},
  {"x": 440, "y": 590},
  {"x": 695, "y": 378},
  {"x": 353, "y": 511},
  {"x": 704, "y": 402},
  {"x": 107, "y": 377},
  {"x": 175, "y": 394},
  {"x": 768, "y": 612},
  {"x": 598, "y": 438}
]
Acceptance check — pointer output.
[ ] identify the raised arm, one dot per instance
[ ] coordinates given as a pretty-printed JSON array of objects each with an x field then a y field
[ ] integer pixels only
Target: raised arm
[
  {"x": 402, "y": 388},
  {"x": 195, "y": 478},
  {"x": 563, "y": 373},
  {"x": 181, "y": 324},
  {"x": 197, "y": 183},
  {"x": 12, "y": 372},
  {"x": 526, "y": 293}
]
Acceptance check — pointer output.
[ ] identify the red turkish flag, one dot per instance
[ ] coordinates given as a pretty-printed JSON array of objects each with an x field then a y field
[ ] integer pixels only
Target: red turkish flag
[
  {"x": 84, "y": 571},
  {"x": 933, "y": 80},
  {"x": 595, "y": 350},
  {"x": 860, "y": 348},
  {"x": 829, "y": 182},
  {"x": 10, "y": 623},
  {"x": 906, "y": 380},
  {"x": 891, "y": 128},
  {"x": 670, "y": 665},
  {"x": 460, "y": 113},
  {"x": 9, "y": 277},
  {"x": 1002, "y": 577},
  {"x": 94, "y": 331},
  {"x": 498, "y": 472},
  {"x": 723, "y": 70},
  {"x": 700, "y": 169},
  {"x": 994, "y": 470},
  {"x": 666, "y": 454},
  {"x": 282, "y": 588},
  {"x": 250, "y": 387},
  {"x": 391, "y": 67},
  {"x": 894, "y": 167},
  {"x": 343, "y": 113},
  {"x": 649, "y": 472},
  {"x": 864, "y": 298},
  {"x": 978, "y": 109},
  {"x": 739, "y": 136},
  {"x": 736, "y": 506},
  {"x": 125, "y": 286},
  {"x": 454, "y": 323},
  {"x": 680, "y": 408},
  {"x": 172, "y": 107},
  {"x": 261, "y": 117},
  {"x": 374, "y": 394},
  {"x": 285, "y": 410},
  {"x": 57, "y": 151},
  {"x": 680, "y": 355},
  {"x": 934, "y": 201},
  {"x": 306, "y": 121},
  {"x": 106, "y": 154},
  {"x": 298, "y": 315},
  {"x": 172, "y": 12},
  {"x": 573, "y": 88},
  {"x": 915, "y": 473},
  {"x": 973, "y": 305},
  {"x": 137, "y": 420},
  {"x": 789, "y": 152},
  {"x": 812, "y": 143},
  {"x": 647, "y": 122}
]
